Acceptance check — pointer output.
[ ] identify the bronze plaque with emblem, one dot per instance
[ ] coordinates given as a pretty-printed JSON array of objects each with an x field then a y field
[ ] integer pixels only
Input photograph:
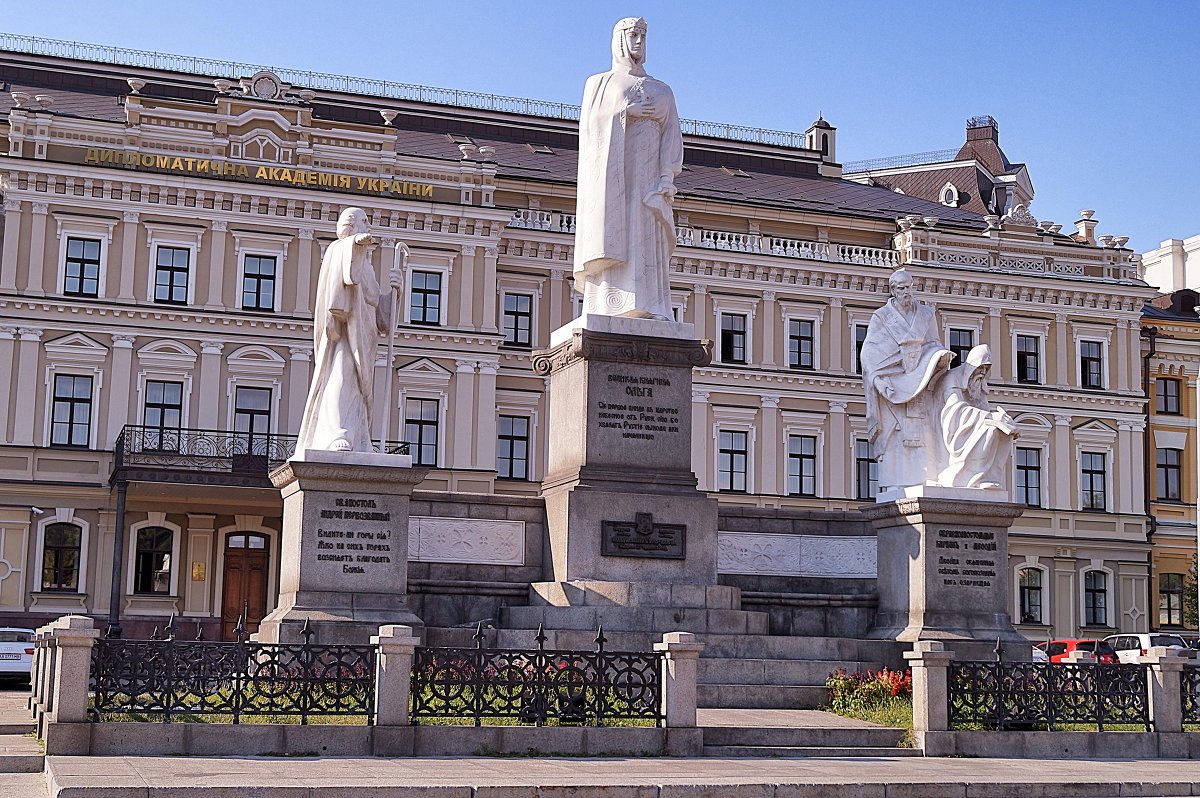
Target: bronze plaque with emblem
[{"x": 642, "y": 537}]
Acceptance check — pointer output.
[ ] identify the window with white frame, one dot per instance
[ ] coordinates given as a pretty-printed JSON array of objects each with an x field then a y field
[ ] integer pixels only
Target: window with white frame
[
  {"x": 172, "y": 275},
  {"x": 1170, "y": 599},
  {"x": 732, "y": 457},
  {"x": 512, "y": 447},
  {"x": 1028, "y": 463},
  {"x": 82, "y": 254},
  {"x": 960, "y": 343},
  {"x": 71, "y": 409},
  {"x": 62, "y": 555},
  {"x": 421, "y": 417},
  {"x": 1029, "y": 359},
  {"x": 866, "y": 470},
  {"x": 733, "y": 338},
  {"x": 1093, "y": 481},
  {"x": 802, "y": 465},
  {"x": 860, "y": 337},
  {"x": 1166, "y": 396},
  {"x": 1095, "y": 598},
  {"x": 258, "y": 282},
  {"x": 81, "y": 267},
  {"x": 252, "y": 416},
  {"x": 162, "y": 415},
  {"x": 1091, "y": 363},
  {"x": 1169, "y": 474},
  {"x": 518, "y": 320},
  {"x": 1030, "y": 595},
  {"x": 154, "y": 548},
  {"x": 425, "y": 297},
  {"x": 802, "y": 344}
]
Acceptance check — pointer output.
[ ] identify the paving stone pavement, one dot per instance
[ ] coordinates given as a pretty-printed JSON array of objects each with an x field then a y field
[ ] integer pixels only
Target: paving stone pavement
[{"x": 482, "y": 777}]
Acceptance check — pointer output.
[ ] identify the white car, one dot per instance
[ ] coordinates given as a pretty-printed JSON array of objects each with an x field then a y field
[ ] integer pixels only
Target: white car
[
  {"x": 1131, "y": 646},
  {"x": 16, "y": 652}
]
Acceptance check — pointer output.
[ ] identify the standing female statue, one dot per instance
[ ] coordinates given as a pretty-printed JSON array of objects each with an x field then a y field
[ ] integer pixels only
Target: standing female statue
[
  {"x": 350, "y": 316},
  {"x": 630, "y": 150}
]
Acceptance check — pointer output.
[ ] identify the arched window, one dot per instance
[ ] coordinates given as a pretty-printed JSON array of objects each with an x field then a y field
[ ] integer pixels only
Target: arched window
[
  {"x": 61, "y": 554},
  {"x": 1029, "y": 582},
  {"x": 152, "y": 560},
  {"x": 824, "y": 143},
  {"x": 949, "y": 195},
  {"x": 1095, "y": 598}
]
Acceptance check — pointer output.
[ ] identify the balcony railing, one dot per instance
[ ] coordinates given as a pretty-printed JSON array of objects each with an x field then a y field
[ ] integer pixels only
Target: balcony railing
[
  {"x": 146, "y": 450},
  {"x": 529, "y": 219},
  {"x": 786, "y": 247},
  {"x": 157, "y": 454}
]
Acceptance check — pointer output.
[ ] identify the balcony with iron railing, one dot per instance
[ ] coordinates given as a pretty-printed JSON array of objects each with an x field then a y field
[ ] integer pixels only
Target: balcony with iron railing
[
  {"x": 727, "y": 241},
  {"x": 204, "y": 456}
]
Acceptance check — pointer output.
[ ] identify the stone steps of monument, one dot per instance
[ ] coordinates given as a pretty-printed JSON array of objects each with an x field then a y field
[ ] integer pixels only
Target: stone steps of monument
[
  {"x": 761, "y": 696},
  {"x": 20, "y": 754},
  {"x": 872, "y": 653},
  {"x": 806, "y": 736},
  {"x": 714, "y": 670},
  {"x": 805, "y": 751},
  {"x": 618, "y": 619}
]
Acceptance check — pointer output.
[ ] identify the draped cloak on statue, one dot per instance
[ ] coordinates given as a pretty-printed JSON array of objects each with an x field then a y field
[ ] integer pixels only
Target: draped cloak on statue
[
  {"x": 902, "y": 359},
  {"x": 978, "y": 439},
  {"x": 625, "y": 229},
  {"x": 347, "y": 325}
]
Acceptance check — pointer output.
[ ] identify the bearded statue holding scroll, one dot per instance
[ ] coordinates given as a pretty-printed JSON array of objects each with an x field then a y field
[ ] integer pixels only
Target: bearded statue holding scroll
[{"x": 630, "y": 151}]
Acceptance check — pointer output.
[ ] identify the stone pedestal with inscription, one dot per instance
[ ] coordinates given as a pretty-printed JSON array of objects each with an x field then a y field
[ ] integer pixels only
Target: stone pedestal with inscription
[
  {"x": 943, "y": 573},
  {"x": 631, "y": 537},
  {"x": 344, "y": 562}
]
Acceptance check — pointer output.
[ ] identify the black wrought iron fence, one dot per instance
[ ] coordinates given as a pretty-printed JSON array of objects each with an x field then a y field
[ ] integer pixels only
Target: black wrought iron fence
[
  {"x": 1005, "y": 695},
  {"x": 175, "y": 680},
  {"x": 1189, "y": 691},
  {"x": 537, "y": 686}
]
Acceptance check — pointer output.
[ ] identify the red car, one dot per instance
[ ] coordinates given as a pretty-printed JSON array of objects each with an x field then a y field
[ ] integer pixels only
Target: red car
[{"x": 1059, "y": 650}]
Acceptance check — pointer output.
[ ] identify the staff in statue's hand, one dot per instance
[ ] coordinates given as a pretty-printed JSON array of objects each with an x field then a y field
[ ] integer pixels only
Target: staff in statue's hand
[{"x": 395, "y": 281}]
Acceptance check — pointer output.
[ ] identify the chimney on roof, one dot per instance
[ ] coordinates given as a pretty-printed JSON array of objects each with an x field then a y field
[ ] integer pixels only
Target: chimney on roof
[
  {"x": 983, "y": 128},
  {"x": 1086, "y": 226}
]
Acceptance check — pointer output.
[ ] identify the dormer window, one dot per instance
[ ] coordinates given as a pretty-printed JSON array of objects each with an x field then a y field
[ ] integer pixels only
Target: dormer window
[{"x": 949, "y": 196}]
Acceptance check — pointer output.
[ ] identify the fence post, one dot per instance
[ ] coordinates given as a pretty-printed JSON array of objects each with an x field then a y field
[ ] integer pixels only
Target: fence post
[
  {"x": 36, "y": 674},
  {"x": 1166, "y": 698},
  {"x": 682, "y": 655},
  {"x": 73, "y": 638},
  {"x": 930, "y": 663},
  {"x": 44, "y": 675},
  {"x": 393, "y": 672}
]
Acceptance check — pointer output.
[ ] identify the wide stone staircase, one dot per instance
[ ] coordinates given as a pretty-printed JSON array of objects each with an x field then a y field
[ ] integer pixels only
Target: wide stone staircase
[
  {"x": 789, "y": 733},
  {"x": 19, "y": 751},
  {"x": 747, "y": 671}
]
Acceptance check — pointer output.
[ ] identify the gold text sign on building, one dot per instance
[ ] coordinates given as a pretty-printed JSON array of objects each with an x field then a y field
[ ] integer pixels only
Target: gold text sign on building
[{"x": 273, "y": 175}]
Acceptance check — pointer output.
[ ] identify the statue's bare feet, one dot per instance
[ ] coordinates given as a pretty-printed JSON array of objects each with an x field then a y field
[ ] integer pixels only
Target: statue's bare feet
[{"x": 340, "y": 445}]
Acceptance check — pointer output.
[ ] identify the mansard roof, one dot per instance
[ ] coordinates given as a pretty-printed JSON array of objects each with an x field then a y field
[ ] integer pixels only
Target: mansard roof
[{"x": 714, "y": 169}]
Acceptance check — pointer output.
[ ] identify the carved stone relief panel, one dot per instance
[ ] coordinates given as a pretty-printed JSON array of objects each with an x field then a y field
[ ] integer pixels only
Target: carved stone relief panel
[
  {"x": 796, "y": 555},
  {"x": 466, "y": 540}
]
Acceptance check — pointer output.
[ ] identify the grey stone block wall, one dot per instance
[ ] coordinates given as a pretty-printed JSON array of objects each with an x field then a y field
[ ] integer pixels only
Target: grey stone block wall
[
  {"x": 459, "y": 594},
  {"x": 811, "y": 606},
  {"x": 454, "y": 594}
]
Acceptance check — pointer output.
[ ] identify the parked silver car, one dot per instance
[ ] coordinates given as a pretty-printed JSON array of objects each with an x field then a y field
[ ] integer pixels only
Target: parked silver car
[
  {"x": 16, "y": 652},
  {"x": 1131, "y": 646}
]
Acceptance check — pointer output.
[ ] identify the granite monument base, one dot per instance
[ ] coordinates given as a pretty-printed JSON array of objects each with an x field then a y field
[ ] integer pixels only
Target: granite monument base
[
  {"x": 943, "y": 573},
  {"x": 633, "y": 543},
  {"x": 344, "y": 567}
]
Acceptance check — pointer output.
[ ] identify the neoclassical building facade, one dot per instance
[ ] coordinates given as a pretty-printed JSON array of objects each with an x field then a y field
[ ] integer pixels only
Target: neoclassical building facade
[{"x": 161, "y": 237}]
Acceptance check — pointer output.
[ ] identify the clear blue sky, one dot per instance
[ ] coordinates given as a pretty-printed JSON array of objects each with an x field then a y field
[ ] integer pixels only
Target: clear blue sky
[{"x": 1099, "y": 98}]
